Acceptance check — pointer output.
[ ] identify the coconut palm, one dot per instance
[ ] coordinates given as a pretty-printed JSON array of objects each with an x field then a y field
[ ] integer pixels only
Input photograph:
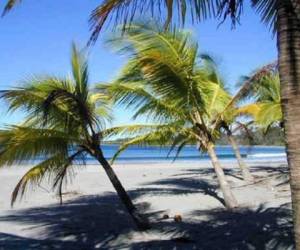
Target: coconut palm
[
  {"x": 229, "y": 119},
  {"x": 165, "y": 81},
  {"x": 65, "y": 122}
]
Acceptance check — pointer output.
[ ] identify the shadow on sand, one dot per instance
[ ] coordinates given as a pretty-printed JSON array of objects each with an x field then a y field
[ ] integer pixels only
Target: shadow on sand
[
  {"x": 186, "y": 185},
  {"x": 100, "y": 222}
]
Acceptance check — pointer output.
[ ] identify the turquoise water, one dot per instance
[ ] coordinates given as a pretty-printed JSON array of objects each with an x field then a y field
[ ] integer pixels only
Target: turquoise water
[{"x": 190, "y": 153}]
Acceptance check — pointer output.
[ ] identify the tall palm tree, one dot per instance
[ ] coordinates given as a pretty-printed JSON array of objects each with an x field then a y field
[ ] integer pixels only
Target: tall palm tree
[
  {"x": 65, "y": 122},
  {"x": 165, "y": 81},
  {"x": 228, "y": 120}
]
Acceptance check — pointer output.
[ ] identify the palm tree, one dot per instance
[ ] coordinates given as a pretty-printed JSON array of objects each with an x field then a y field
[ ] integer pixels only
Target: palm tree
[
  {"x": 229, "y": 118},
  {"x": 165, "y": 81},
  {"x": 65, "y": 122}
]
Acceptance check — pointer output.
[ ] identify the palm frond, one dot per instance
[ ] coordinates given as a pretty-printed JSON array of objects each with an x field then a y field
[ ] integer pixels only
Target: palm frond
[
  {"x": 80, "y": 73},
  {"x": 162, "y": 135},
  {"x": 166, "y": 62},
  {"x": 268, "y": 11},
  {"x": 25, "y": 143},
  {"x": 54, "y": 167},
  {"x": 181, "y": 139},
  {"x": 126, "y": 11},
  {"x": 135, "y": 96},
  {"x": 129, "y": 131},
  {"x": 249, "y": 109},
  {"x": 269, "y": 114},
  {"x": 244, "y": 90}
]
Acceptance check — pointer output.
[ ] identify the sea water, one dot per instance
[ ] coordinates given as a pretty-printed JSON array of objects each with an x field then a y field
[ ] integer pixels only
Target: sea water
[
  {"x": 153, "y": 154},
  {"x": 191, "y": 153}
]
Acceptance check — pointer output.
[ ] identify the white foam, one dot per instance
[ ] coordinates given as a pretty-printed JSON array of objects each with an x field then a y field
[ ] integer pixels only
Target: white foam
[{"x": 266, "y": 155}]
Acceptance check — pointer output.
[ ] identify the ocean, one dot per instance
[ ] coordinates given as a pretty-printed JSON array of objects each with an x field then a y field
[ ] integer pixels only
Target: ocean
[{"x": 138, "y": 154}]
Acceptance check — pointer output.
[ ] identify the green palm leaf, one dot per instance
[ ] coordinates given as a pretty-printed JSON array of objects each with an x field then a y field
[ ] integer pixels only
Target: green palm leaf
[
  {"x": 54, "y": 168},
  {"x": 62, "y": 116}
]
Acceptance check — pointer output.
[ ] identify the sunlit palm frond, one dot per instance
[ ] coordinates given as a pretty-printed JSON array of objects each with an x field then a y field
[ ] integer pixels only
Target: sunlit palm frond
[
  {"x": 216, "y": 98},
  {"x": 57, "y": 101},
  {"x": 166, "y": 63},
  {"x": 265, "y": 92},
  {"x": 25, "y": 143},
  {"x": 136, "y": 97},
  {"x": 130, "y": 131},
  {"x": 268, "y": 88},
  {"x": 245, "y": 89},
  {"x": 80, "y": 73},
  {"x": 33, "y": 99},
  {"x": 33, "y": 93},
  {"x": 54, "y": 168},
  {"x": 269, "y": 114},
  {"x": 249, "y": 109}
]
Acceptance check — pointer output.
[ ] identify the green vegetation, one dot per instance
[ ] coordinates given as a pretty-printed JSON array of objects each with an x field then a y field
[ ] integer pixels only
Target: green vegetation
[
  {"x": 256, "y": 136},
  {"x": 266, "y": 109},
  {"x": 282, "y": 16}
]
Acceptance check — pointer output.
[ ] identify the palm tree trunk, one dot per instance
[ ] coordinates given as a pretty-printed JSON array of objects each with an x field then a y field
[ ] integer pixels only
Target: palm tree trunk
[
  {"x": 140, "y": 221},
  {"x": 229, "y": 199},
  {"x": 288, "y": 42},
  {"x": 242, "y": 165}
]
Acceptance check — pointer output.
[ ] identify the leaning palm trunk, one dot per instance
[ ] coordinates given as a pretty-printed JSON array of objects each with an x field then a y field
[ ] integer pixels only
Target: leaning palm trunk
[
  {"x": 288, "y": 27},
  {"x": 140, "y": 221},
  {"x": 229, "y": 199},
  {"x": 242, "y": 165}
]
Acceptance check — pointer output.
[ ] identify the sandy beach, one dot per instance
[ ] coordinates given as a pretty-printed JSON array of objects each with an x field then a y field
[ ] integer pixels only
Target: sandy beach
[{"x": 92, "y": 217}]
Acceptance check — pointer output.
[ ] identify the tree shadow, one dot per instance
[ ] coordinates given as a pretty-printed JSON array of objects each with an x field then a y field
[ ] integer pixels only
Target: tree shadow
[
  {"x": 243, "y": 229},
  {"x": 282, "y": 169},
  {"x": 188, "y": 185},
  {"x": 210, "y": 171},
  {"x": 86, "y": 222},
  {"x": 279, "y": 172},
  {"x": 100, "y": 222}
]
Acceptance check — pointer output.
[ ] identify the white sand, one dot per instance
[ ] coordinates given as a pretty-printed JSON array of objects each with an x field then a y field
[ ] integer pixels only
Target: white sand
[{"x": 93, "y": 218}]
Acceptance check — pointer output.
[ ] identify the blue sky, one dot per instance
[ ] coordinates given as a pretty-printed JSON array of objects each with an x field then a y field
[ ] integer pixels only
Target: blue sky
[{"x": 36, "y": 38}]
